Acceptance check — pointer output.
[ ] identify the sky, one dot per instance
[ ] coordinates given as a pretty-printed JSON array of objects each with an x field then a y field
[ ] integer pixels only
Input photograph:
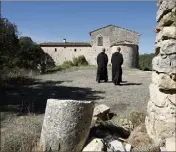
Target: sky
[{"x": 46, "y": 21}]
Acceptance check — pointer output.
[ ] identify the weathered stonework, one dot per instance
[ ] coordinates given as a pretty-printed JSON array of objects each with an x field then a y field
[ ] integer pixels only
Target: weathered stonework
[
  {"x": 161, "y": 109},
  {"x": 164, "y": 8},
  {"x": 163, "y": 81},
  {"x": 66, "y": 125},
  {"x": 113, "y": 37}
]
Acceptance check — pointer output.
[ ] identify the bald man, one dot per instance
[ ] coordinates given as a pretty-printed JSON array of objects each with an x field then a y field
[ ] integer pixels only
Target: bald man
[{"x": 102, "y": 62}]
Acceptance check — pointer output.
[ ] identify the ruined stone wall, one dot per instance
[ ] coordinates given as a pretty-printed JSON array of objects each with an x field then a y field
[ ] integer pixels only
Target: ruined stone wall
[{"x": 161, "y": 119}]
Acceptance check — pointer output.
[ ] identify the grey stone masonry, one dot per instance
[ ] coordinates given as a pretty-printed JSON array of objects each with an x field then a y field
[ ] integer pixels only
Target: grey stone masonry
[
  {"x": 161, "y": 109},
  {"x": 66, "y": 125}
]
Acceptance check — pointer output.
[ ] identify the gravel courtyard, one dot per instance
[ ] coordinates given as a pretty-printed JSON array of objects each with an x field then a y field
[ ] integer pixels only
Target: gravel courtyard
[{"x": 81, "y": 85}]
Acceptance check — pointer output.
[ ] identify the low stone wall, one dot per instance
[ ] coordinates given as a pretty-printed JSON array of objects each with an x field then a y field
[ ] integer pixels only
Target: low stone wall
[{"x": 160, "y": 122}]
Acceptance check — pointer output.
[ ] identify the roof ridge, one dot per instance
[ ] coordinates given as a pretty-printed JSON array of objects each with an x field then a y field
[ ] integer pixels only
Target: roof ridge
[{"x": 114, "y": 26}]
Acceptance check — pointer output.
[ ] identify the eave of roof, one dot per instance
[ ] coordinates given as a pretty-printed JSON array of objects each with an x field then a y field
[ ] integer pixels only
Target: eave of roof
[
  {"x": 66, "y": 44},
  {"x": 123, "y": 43},
  {"x": 113, "y": 26}
]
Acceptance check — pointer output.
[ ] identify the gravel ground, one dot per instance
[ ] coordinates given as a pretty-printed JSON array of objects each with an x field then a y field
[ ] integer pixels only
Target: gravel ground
[{"x": 81, "y": 85}]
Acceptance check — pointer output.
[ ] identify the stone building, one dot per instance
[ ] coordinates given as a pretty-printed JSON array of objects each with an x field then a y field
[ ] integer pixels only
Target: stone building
[{"x": 109, "y": 37}]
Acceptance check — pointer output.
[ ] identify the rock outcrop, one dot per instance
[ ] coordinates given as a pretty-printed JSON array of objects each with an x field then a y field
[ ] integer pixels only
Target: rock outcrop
[{"x": 160, "y": 122}]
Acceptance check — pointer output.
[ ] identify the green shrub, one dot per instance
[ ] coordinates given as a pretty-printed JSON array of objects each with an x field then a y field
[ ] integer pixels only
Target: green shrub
[
  {"x": 80, "y": 61},
  {"x": 145, "y": 61},
  {"x": 67, "y": 64},
  {"x": 75, "y": 61}
]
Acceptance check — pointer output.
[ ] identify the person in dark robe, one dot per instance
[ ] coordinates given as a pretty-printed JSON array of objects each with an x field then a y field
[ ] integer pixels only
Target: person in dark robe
[
  {"x": 102, "y": 62},
  {"x": 117, "y": 61}
]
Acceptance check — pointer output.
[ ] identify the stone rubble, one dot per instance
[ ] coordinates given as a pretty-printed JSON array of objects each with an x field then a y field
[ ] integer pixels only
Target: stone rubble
[
  {"x": 161, "y": 109},
  {"x": 101, "y": 112},
  {"x": 95, "y": 145}
]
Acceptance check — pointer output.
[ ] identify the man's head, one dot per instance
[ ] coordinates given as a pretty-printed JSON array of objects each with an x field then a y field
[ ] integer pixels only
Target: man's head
[
  {"x": 103, "y": 49},
  {"x": 118, "y": 49}
]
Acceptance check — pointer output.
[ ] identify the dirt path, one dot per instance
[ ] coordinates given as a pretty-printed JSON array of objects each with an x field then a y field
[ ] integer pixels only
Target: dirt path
[{"x": 81, "y": 85}]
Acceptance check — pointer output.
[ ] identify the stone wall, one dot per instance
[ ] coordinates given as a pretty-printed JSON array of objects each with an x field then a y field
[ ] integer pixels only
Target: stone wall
[
  {"x": 161, "y": 119},
  {"x": 61, "y": 54}
]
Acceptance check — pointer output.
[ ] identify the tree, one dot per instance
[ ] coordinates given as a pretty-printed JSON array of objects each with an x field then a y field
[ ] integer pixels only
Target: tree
[{"x": 9, "y": 43}]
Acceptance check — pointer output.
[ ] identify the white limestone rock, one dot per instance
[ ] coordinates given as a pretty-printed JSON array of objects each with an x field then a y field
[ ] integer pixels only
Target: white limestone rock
[
  {"x": 95, "y": 145},
  {"x": 164, "y": 7},
  {"x": 165, "y": 65},
  {"x": 168, "y": 19},
  {"x": 171, "y": 144},
  {"x": 115, "y": 146},
  {"x": 128, "y": 147},
  {"x": 166, "y": 33},
  {"x": 169, "y": 32},
  {"x": 66, "y": 125},
  {"x": 163, "y": 81},
  {"x": 101, "y": 111},
  {"x": 168, "y": 47}
]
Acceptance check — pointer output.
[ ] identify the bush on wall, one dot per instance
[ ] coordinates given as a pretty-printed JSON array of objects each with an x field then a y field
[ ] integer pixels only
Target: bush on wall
[{"x": 80, "y": 61}]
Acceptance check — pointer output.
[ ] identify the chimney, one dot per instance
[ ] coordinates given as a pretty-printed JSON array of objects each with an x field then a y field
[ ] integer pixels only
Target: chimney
[{"x": 64, "y": 40}]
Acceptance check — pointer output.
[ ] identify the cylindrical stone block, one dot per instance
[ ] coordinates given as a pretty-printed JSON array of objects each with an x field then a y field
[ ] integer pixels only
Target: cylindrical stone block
[{"x": 66, "y": 125}]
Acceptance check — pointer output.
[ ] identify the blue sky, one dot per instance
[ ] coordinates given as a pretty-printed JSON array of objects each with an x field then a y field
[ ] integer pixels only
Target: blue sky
[{"x": 53, "y": 21}]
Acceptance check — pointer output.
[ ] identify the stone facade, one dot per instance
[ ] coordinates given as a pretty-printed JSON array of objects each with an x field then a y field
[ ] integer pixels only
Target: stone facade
[
  {"x": 112, "y": 37},
  {"x": 161, "y": 119}
]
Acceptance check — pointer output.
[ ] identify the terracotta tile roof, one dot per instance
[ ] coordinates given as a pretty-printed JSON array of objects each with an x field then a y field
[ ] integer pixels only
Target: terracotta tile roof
[
  {"x": 66, "y": 44},
  {"x": 113, "y": 26}
]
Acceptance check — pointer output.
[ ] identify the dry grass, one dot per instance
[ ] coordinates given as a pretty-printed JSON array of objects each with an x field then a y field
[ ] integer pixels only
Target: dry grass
[
  {"x": 140, "y": 140},
  {"x": 21, "y": 134}
]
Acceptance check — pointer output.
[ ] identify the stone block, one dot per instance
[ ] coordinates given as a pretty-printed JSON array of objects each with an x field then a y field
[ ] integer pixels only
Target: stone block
[
  {"x": 168, "y": 47},
  {"x": 95, "y": 145},
  {"x": 115, "y": 146},
  {"x": 169, "y": 32},
  {"x": 101, "y": 111},
  {"x": 159, "y": 130},
  {"x": 171, "y": 144},
  {"x": 166, "y": 33},
  {"x": 128, "y": 147},
  {"x": 167, "y": 19},
  {"x": 163, "y": 81},
  {"x": 165, "y": 64},
  {"x": 165, "y": 6},
  {"x": 66, "y": 125}
]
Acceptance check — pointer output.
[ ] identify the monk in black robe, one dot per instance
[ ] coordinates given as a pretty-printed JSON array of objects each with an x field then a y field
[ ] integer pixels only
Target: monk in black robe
[
  {"x": 117, "y": 61},
  {"x": 102, "y": 62}
]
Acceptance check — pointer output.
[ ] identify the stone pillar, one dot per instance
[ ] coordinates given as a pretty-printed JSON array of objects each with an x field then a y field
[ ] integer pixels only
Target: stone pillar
[
  {"x": 161, "y": 119},
  {"x": 66, "y": 125}
]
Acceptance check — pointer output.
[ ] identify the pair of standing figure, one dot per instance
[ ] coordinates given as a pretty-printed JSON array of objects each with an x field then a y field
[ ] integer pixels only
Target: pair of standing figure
[{"x": 116, "y": 61}]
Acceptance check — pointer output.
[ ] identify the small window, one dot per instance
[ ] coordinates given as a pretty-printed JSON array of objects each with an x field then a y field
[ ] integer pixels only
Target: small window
[
  {"x": 100, "y": 41},
  {"x": 74, "y": 50},
  {"x": 55, "y": 49}
]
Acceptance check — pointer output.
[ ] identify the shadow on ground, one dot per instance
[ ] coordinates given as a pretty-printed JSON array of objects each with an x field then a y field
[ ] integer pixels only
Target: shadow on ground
[
  {"x": 32, "y": 96},
  {"x": 123, "y": 83}
]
